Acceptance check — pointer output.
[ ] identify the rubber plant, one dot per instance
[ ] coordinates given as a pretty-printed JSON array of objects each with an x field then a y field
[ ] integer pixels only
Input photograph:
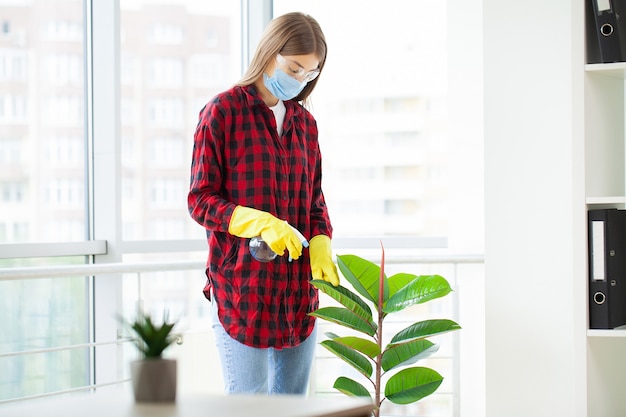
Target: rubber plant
[{"x": 379, "y": 361}]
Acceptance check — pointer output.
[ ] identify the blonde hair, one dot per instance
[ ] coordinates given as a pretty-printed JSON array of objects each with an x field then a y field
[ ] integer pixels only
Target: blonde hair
[{"x": 290, "y": 34}]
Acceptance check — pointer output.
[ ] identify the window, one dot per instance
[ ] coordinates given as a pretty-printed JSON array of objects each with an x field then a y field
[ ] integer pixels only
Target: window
[
  {"x": 189, "y": 52},
  {"x": 63, "y": 69},
  {"x": 12, "y": 192},
  {"x": 199, "y": 55},
  {"x": 208, "y": 70},
  {"x": 64, "y": 151},
  {"x": 381, "y": 124},
  {"x": 63, "y": 110},
  {"x": 165, "y": 72},
  {"x": 12, "y": 109},
  {"x": 44, "y": 314},
  {"x": 165, "y": 112},
  {"x": 42, "y": 186},
  {"x": 10, "y": 151},
  {"x": 377, "y": 106},
  {"x": 64, "y": 192},
  {"x": 383, "y": 143},
  {"x": 12, "y": 65},
  {"x": 167, "y": 192},
  {"x": 168, "y": 152},
  {"x": 166, "y": 34},
  {"x": 42, "y": 113},
  {"x": 67, "y": 28}
]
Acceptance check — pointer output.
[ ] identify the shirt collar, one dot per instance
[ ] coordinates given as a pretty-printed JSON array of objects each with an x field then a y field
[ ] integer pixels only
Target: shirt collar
[{"x": 293, "y": 108}]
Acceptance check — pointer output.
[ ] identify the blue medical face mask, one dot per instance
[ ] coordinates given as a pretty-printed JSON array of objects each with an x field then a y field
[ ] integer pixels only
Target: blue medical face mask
[{"x": 283, "y": 86}]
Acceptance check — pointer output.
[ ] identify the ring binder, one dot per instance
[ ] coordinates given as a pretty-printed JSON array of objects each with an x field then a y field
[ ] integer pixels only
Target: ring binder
[
  {"x": 607, "y": 19},
  {"x": 607, "y": 268}
]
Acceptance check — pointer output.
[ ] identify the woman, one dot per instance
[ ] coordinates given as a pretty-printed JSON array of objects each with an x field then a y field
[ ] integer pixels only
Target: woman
[{"x": 256, "y": 171}]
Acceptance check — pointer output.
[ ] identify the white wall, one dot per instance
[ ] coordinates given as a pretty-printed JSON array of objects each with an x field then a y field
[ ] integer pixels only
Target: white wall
[
  {"x": 466, "y": 218},
  {"x": 534, "y": 208},
  {"x": 465, "y": 105}
]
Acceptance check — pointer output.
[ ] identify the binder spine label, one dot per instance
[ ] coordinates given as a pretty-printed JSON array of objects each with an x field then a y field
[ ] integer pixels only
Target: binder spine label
[
  {"x": 603, "y": 5},
  {"x": 597, "y": 251}
]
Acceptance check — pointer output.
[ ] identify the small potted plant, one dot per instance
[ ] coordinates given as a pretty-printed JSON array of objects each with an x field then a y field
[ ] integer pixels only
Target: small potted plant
[
  {"x": 153, "y": 377},
  {"x": 384, "y": 364}
]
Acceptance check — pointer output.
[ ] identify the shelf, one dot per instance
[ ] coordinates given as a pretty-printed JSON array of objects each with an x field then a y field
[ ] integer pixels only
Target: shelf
[
  {"x": 606, "y": 200},
  {"x": 617, "y": 332},
  {"x": 614, "y": 69}
]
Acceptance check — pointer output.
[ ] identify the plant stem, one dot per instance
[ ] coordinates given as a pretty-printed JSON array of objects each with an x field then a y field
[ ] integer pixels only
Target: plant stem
[
  {"x": 379, "y": 359},
  {"x": 379, "y": 332}
]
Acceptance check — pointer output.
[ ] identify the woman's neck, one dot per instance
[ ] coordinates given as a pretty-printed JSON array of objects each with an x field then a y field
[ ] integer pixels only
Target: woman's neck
[{"x": 266, "y": 96}]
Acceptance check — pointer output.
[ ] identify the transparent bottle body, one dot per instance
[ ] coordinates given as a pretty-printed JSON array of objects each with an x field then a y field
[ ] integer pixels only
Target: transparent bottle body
[{"x": 260, "y": 250}]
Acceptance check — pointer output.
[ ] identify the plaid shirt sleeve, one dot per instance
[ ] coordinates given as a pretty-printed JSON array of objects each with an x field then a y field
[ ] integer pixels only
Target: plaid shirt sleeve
[
  {"x": 239, "y": 159},
  {"x": 205, "y": 203}
]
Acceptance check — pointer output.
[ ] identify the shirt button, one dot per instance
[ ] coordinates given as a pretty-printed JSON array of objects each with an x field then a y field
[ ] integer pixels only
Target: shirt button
[{"x": 285, "y": 197}]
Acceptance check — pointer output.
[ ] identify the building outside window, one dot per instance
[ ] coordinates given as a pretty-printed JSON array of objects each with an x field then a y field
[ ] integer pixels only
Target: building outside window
[{"x": 383, "y": 135}]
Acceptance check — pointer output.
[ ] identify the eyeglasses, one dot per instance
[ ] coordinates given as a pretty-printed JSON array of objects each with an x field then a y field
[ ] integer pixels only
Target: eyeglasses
[{"x": 295, "y": 70}]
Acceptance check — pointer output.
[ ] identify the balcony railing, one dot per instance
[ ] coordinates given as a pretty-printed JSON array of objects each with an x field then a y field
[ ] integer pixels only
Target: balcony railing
[{"x": 198, "y": 338}]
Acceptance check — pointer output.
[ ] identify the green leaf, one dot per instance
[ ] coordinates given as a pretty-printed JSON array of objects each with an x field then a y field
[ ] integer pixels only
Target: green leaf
[
  {"x": 398, "y": 281},
  {"x": 351, "y": 387},
  {"x": 151, "y": 339},
  {"x": 363, "y": 275},
  {"x": 350, "y": 356},
  {"x": 346, "y": 318},
  {"x": 422, "y": 289},
  {"x": 424, "y": 329},
  {"x": 366, "y": 347},
  {"x": 345, "y": 297},
  {"x": 412, "y": 384},
  {"x": 407, "y": 353}
]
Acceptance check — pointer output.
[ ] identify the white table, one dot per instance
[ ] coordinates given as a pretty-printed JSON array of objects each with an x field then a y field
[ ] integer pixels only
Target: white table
[{"x": 119, "y": 403}]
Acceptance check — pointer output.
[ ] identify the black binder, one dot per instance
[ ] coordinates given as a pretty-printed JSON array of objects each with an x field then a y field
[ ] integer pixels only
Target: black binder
[
  {"x": 607, "y": 268},
  {"x": 610, "y": 31}
]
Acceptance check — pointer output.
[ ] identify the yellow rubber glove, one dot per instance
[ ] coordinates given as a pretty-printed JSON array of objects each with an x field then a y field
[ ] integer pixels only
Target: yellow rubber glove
[
  {"x": 322, "y": 265},
  {"x": 278, "y": 234}
]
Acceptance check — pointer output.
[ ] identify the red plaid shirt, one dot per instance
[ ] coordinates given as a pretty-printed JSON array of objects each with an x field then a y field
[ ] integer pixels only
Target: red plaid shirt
[{"x": 239, "y": 159}]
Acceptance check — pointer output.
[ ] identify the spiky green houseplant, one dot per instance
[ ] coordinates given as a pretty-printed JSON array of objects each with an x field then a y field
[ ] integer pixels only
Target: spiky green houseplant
[
  {"x": 372, "y": 357},
  {"x": 154, "y": 377},
  {"x": 152, "y": 339}
]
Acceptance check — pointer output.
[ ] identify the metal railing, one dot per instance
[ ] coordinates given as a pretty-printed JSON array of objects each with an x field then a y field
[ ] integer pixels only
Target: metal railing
[
  {"x": 30, "y": 272},
  {"x": 57, "y": 271},
  {"x": 112, "y": 269}
]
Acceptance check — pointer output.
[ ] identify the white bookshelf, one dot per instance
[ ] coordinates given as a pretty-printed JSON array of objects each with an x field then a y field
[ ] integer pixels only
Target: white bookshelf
[
  {"x": 554, "y": 148},
  {"x": 605, "y": 177}
]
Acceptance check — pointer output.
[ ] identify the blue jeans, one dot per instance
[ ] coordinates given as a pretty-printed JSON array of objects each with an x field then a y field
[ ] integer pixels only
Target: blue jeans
[{"x": 249, "y": 370}]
